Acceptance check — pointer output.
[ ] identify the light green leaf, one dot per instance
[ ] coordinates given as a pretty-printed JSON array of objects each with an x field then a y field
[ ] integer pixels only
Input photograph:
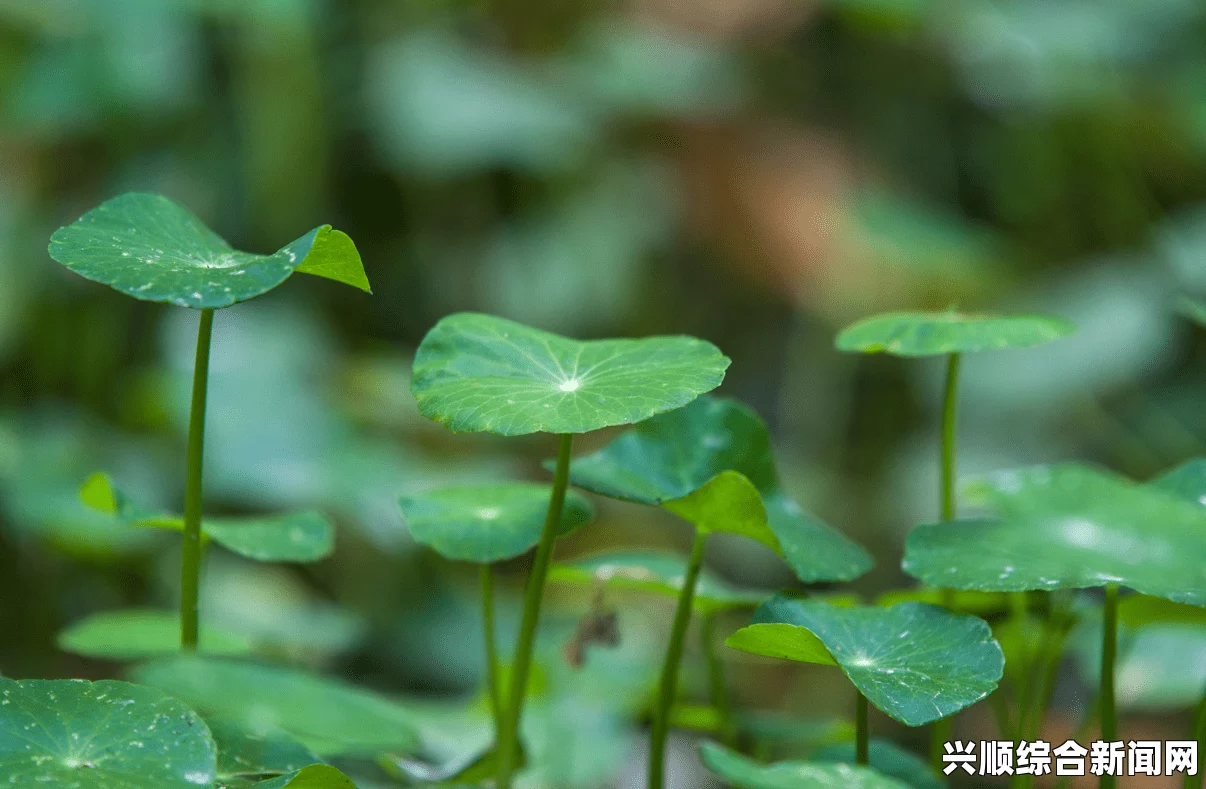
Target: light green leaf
[
  {"x": 476, "y": 372},
  {"x": 316, "y": 776},
  {"x": 744, "y": 773},
  {"x": 674, "y": 454},
  {"x": 787, "y": 642},
  {"x": 939, "y": 333},
  {"x": 1067, "y": 527},
  {"x": 301, "y": 537},
  {"x": 655, "y": 572},
  {"x": 328, "y": 716},
  {"x": 100, "y": 735},
  {"x": 888, "y": 758},
  {"x": 488, "y": 523},
  {"x": 727, "y": 503},
  {"x": 247, "y": 752},
  {"x": 139, "y": 633},
  {"x": 154, "y": 249},
  {"x": 916, "y": 662}
]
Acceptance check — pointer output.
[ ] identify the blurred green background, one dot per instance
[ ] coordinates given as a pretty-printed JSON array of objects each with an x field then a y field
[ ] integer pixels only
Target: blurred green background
[{"x": 757, "y": 173}]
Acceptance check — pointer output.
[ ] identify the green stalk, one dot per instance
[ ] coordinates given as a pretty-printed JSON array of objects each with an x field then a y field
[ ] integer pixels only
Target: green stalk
[
  {"x": 668, "y": 686},
  {"x": 190, "y": 553},
  {"x": 862, "y": 737},
  {"x": 1199, "y": 734},
  {"x": 1109, "y": 650},
  {"x": 716, "y": 683},
  {"x": 508, "y": 737},
  {"x": 493, "y": 686},
  {"x": 940, "y": 732}
]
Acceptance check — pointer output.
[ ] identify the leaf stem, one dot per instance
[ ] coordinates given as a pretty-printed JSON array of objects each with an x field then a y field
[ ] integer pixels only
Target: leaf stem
[
  {"x": 492, "y": 680},
  {"x": 940, "y": 732},
  {"x": 1109, "y": 651},
  {"x": 508, "y": 737},
  {"x": 190, "y": 554},
  {"x": 862, "y": 734},
  {"x": 668, "y": 685},
  {"x": 718, "y": 687},
  {"x": 1199, "y": 734}
]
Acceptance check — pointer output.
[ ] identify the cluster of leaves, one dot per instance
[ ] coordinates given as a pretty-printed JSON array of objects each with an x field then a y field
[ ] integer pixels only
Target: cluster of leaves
[{"x": 200, "y": 713}]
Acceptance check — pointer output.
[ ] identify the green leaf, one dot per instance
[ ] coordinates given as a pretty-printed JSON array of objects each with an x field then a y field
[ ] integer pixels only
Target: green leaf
[
  {"x": 660, "y": 573},
  {"x": 1139, "y": 609},
  {"x": 247, "y": 752},
  {"x": 787, "y": 642},
  {"x": 744, "y": 773},
  {"x": 967, "y": 602},
  {"x": 476, "y": 372},
  {"x": 1186, "y": 481},
  {"x": 154, "y": 249},
  {"x": 916, "y": 662},
  {"x": 475, "y": 767},
  {"x": 888, "y": 758},
  {"x": 136, "y": 634},
  {"x": 100, "y": 735},
  {"x": 301, "y": 537},
  {"x": 316, "y": 776},
  {"x": 1067, "y": 527},
  {"x": 328, "y": 716},
  {"x": 488, "y": 523},
  {"x": 727, "y": 503},
  {"x": 939, "y": 333},
  {"x": 674, "y": 454}
]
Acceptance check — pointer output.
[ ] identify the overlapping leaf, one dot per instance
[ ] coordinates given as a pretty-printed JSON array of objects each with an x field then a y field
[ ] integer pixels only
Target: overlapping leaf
[
  {"x": 100, "y": 735},
  {"x": 744, "y": 773},
  {"x": 1067, "y": 526},
  {"x": 916, "y": 662},
  {"x": 250, "y": 753},
  {"x": 488, "y": 523},
  {"x": 475, "y": 372},
  {"x": 655, "y": 572},
  {"x": 675, "y": 454},
  {"x": 330, "y": 717},
  {"x": 140, "y": 633},
  {"x": 154, "y": 249},
  {"x": 939, "y": 333},
  {"x": 287, "y": 537}
]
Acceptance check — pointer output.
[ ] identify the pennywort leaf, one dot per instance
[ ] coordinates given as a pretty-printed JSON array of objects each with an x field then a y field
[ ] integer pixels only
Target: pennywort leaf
[
  {"x": 139, "y": 633},
  {"x": 941, "y": 333},
  {"x": 744, "y": 773}
]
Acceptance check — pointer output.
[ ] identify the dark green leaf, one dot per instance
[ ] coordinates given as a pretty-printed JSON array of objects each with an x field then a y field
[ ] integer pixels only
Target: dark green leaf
[
  {"x": 137, "y": 634},
  {"x": 1067, "y": 526},
  {"x": 476, "y": 372},
  {"x": 674, "y": 454},
  {"x": 328, "y": 716},
  {"x": 100, "y": 735},
  {"x": 487, "y": 523},
  {"x": 154, "y": 249},
  {"x": 655, "y": 572},
  {"x": 939, "y": 333},
  {"x": 243, "y": 751},
  {"x": 888, "y": 758},
  {"x": 743, "y": 773},
  {"x": 916, "y": 662}
]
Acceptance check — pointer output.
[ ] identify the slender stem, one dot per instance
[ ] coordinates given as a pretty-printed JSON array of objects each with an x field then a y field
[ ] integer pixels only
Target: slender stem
[
  {"x": 668, "y": 686},
  {"x": 940, "y": 732},
  {"x": 1199, "y": 734},
  {"x": 190, "y": 554},
  {"x": 1109, "y": 649},
  {"x": 1020, "y": 617},
  {"x": 508, "y": 737},
  {"x": 718, "y": 687},
  {"x": 861, "y": 729},
  {"x": 493, "y": 686}
]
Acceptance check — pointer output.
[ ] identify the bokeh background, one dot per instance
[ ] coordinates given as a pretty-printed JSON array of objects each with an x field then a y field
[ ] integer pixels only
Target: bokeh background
[{"x": 757, "y": 173}]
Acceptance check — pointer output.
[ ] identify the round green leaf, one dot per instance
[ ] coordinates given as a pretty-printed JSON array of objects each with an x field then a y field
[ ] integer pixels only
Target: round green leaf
[
  {"x": 328, "y": 716},
  {"x": 744, "y": 773},
  {"x": 940, "y": 333},
  {"x": 137, "y": 634},
  {"x": 916, "y": 662},
  {"x": 659, "y": 573},
  {"x": 1067, "y": 527},
  {"x": 316, "y": 776},
  {"x": 154, "y": 249},
  {"x": 675, "y": 454},
  {"x": 476, "y": 372},
  {"x": 888, "y": 758},
  {"x": 74, "y": 734},
  {"x": 246, "y": 752},
  {"x": 488, "y": 523}
]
